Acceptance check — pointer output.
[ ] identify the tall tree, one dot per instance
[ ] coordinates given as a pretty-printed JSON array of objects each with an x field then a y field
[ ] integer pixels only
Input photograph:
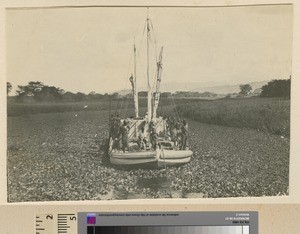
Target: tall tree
[
  {"x": 39, "y": 92},
  {"x": 32, "y": 89},
  {"x": 49, "y": 93},
  {"x": 277, "y": 88},
  {"x": 245, "y": 89}
]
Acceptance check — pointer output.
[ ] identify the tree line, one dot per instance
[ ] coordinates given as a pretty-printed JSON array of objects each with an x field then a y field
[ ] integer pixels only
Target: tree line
[
  {"x": 181, "y": 94},
  {"x": 274, "y": 88},
  {"x": 39, "y": 92},
  {"x": 277, "y": 88}
]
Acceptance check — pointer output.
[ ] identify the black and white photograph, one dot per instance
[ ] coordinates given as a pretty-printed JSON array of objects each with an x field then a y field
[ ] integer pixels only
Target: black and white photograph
[{"x": 117, "y": 103}]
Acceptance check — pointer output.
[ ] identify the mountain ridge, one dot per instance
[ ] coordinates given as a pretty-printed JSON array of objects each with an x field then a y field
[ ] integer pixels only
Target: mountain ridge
[{"x": 201, "y": 88}]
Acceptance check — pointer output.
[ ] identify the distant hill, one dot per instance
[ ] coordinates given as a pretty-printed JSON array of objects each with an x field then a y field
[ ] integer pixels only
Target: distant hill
[
  {"x": 202, "y": 87},
  {"x": 123, "y": 92},
  {"x": 225, "y": 89}
]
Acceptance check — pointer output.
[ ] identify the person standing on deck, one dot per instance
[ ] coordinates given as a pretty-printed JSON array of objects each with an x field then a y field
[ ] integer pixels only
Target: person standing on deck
[
  {"x": 124, "y": 134},
  {"x": 114, "y": 130},
  {"x": 169, "y": 124},
  {"x": 153, "y": 134},
  {"x": 173, "y": 132},
  {"x": 112, "y": 133},
  {"x": 153, "y": 139},
  {"x": 184, "y": 134},
  {"x": 142, "y": 142}
]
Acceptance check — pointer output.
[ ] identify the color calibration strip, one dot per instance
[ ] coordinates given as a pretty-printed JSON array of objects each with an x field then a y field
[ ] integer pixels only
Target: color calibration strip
[
  {"x": 214, "y": 222},
  {"x": 168, "y": 230}
]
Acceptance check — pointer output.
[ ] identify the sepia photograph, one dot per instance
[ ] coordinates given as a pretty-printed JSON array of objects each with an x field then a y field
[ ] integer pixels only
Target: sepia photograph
[{"x": 117, "y": 103}]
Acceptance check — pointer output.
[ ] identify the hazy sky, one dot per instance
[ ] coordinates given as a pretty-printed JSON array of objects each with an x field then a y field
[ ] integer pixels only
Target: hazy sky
[{"x": 90, "y": 49}]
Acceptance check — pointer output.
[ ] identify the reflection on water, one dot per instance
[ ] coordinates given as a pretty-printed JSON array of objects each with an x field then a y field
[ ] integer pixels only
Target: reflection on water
[
  {"x": 155, "y": 183},
  {"x": 151, "y": 187},
  {"x": 155, "y": 187}
]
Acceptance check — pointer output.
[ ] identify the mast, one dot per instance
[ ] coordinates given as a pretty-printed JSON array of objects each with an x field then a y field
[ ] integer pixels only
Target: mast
[
  {"x": 148, "y": 76},
  {"x": 158, "y": 80},
  {"x": 134, "y": 86},
  {"x": 135, "y": 94}
]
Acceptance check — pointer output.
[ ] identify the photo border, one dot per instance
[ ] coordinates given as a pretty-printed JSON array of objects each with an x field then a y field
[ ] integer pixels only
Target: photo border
[{"x": 294, "y": 185}]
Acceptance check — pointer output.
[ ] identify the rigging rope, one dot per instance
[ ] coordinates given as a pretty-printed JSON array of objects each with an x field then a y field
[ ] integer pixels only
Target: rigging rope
[
  {"x": 121, "y": 102},
  {"x": 138, "y": 52},
  {"x": 156, "y": 59},
  {"x": 120, "y": 107},
  {"x": 123, "y": 107},
  {"x": 175, "y": 108},
  {"x": 126, "y": 106},
  {"x": 155, "y": 44},
  {"x": 173, "y": 105}
]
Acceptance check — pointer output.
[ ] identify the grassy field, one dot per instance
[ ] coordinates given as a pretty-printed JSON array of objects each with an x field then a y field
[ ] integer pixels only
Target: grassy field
[
  {"x": 263, "y": 114},
  {"x": 55, "y": 153},
  {"x": 123, "y": 105},
  {"x": 57, "y": 156}
]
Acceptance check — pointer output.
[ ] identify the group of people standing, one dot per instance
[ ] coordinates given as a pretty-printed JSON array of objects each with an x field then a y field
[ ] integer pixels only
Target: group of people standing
[
  {"x": 147, "y": 138},
  {"x": 119, "y": 132},
  {"x": 146, "y": 142},
  {"x": 178, "y": 132}
]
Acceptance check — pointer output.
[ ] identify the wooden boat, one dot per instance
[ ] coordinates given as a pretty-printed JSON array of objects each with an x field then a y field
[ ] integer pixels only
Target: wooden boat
[{"x": 165, "y": 152}]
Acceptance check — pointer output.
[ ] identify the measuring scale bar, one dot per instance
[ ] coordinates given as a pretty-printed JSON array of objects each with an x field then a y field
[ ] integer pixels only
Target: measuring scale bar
[
  {"x": 215, "y": 222},
  {"x": 148, "y": 223},
  {"x": 56, "y": 223}
]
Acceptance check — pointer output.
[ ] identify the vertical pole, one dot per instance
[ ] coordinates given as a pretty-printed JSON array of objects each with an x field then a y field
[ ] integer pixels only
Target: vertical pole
[
  {"x": 135, "y": 93},
  {"x": 148, "y": 76},
  {"x": 158, "y": 80}
]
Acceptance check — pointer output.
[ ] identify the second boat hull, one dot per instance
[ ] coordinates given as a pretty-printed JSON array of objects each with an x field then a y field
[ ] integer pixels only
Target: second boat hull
[
  {"x": 133, "y": 158},
  {"x": 160, "y": 158}
]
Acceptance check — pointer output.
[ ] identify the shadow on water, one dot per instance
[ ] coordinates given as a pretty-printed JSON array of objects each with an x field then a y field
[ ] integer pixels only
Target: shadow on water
[
  {"x": 151, "y": 187},
  {"x": 155, "y": 184}
]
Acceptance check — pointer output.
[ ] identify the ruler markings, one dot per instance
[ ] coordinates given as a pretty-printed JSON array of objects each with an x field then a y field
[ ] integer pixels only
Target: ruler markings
[
  {"x": 63, "y": 223},
  {"x": 65, "y": 214},
  {"x": 44, "y": 223}
]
